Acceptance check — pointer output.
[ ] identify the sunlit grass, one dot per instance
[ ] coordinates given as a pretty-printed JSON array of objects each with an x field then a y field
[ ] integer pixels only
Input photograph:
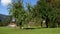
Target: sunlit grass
[{"x": 6, "y": 30}]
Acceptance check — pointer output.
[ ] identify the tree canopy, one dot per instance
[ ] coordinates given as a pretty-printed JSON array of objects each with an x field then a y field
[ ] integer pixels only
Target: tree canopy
[{"x": 47, "y": 10}]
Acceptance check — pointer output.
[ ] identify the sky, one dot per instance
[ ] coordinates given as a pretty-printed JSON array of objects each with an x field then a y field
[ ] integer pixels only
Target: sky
[{"x": 4, "y": 3}]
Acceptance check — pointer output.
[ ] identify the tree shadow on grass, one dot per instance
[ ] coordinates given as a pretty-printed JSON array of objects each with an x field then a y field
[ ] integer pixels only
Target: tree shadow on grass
[{"x": 31, "y": 28}]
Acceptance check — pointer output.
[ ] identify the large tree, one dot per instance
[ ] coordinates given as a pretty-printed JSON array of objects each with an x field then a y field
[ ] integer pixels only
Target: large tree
[
  {"x": 47, "y": 11},
  {"x": 17, "y": 11}
]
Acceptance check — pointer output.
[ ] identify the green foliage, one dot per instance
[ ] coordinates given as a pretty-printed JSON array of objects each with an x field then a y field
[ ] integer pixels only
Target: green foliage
[
  {"x": 47, "y": 10},
  {"x": 17, "y": 10},
  {"x": 43, "y": 10}
]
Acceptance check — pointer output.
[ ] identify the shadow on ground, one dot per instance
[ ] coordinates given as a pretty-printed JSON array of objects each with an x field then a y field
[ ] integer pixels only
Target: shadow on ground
[
  {"x": 34, "y": 28},
  {"x": 31, "y": 28}
]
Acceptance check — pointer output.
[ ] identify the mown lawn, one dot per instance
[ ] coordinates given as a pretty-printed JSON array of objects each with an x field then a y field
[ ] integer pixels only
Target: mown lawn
[{"x": 6, "y": 30}]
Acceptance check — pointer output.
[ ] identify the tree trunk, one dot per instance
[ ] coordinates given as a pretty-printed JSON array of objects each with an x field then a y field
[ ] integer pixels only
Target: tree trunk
[
  {"x": 41, "y": 24},
  {"x": 46, "y": 24},
  {"x": 20, "y": 25},
  {"x": 47, "y": 20}
]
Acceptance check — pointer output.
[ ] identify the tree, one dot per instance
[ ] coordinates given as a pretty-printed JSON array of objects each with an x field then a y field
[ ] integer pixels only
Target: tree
[
  {"x": 58, "y": 12},
  {"x": 47, "y": 11},
  {"x": 17, "y": 11}
]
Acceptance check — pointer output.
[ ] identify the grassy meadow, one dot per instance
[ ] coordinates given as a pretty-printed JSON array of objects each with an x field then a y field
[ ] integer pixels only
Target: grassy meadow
[{"x": 7, "y": 30}]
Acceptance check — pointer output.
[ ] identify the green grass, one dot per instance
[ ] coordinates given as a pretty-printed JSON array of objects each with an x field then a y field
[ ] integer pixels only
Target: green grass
[{"x": 6, "y": 30}]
